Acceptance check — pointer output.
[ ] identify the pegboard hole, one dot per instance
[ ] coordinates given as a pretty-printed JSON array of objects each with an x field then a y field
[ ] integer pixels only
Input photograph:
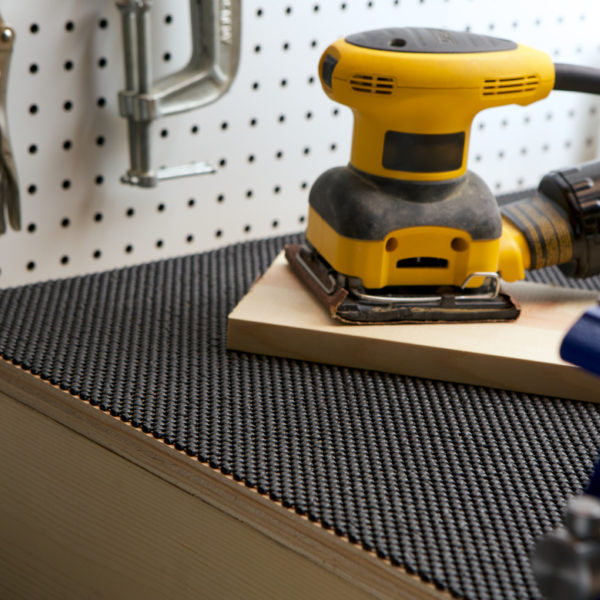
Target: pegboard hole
[
  {"x": 167, "y": 56},
  {"x": 97, "y": 254},
  {"x": 69, "y": 65},
  {"x": 70, "y": 26},
  {"x": 32, "y": 189},
  {"x": 301, "y": 219},
  {"x": 164, "y": 133},
  {"x": 32, "y": 149},
  {"x": 101, "y": 102},
  {"x": 251, "y": 158},
  {"x": 34, "y": 28},
  {"x": 259, "y": 12},
  {"x": 98, "y": 217},
  {"x": 30, "y": 265},
  {"x": 247, "y": 228},
  {"x": 161, "y": 207},
  {"x": 189, "y": 239},
  {"x": 129, "y": 248},
  {"x": 65, "y": 222},
  {"x": 102, "y": 62},
  {"x": 159, "y": 243},
  {"x": 277, "y": 189},
  {"x": 100, "y": 140},
  {"x": 195, "y": 129},
  {"x": 99, "y": 180},
  {"x": 279, "y": 154},
  {"x": 218, "y": 233},
  {"x": 275, "y": 224},
  {"x": 191, "y": 202},
  {"x": 130, "y": 212},
  {"x": 66, "y": 184},
  {"x": 68, "y": 105},
  {"x": 33, "y": 68},
  {"x": 64, "y": 260},
  {"x": 67, "y": 144},
  {"x": 168, "y": 19},
  {"x": 33, "y": 109},
  {"x": 103, "y": 23},
  {"x": 249, "y": 193},
  {"x": 31, "y": 227},
  {"x": 221, "y": 198},
  {"x": 222, "y": 162}
]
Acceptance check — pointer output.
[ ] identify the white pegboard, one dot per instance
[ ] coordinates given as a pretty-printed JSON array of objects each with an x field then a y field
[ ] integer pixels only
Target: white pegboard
[{"x": 270, "y": 135}]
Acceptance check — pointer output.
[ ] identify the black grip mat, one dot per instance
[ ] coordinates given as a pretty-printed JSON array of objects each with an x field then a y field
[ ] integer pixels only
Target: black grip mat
[{"x": 451, "y": 482}]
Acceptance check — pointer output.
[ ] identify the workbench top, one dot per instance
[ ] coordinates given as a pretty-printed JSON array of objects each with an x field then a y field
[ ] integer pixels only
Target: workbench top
[{"x": 450, "y": 484}]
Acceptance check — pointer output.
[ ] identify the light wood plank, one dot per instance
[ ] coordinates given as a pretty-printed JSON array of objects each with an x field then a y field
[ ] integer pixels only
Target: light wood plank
[{"x": 280, "y": 317}]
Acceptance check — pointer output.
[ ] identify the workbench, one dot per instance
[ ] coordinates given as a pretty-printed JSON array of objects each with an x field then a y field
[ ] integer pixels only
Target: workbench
[{"x": 141, "y": 458}]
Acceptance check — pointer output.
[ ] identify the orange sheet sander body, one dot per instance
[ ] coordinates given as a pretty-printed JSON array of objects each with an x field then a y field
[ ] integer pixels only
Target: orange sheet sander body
[{"x": 405, "y": 233}]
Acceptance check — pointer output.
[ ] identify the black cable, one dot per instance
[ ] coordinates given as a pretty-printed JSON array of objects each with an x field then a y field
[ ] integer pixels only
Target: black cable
[{"x": 574, "y": 78}]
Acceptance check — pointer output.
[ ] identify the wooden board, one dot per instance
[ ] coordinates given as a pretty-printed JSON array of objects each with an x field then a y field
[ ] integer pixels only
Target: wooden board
[
  {"x": 279, "y": 317},
  {"x": 96, "y": 508}
]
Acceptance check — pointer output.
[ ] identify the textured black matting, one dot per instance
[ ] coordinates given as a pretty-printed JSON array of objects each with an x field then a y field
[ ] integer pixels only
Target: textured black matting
[{"x": 451, "y": 482}]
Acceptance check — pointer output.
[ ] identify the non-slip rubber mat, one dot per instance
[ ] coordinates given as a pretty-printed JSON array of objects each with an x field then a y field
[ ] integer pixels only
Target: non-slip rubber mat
[{"x": 451, "y": 482}]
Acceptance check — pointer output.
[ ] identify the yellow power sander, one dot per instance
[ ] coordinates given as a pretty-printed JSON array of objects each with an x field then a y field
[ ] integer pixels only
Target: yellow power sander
[{"x": 405, "y": 233}]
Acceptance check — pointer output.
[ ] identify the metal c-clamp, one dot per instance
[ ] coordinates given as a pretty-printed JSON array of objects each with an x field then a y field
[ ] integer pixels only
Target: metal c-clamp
[
  {"x": 207, "y": 76},
  {"x": 9, "y": 187}
]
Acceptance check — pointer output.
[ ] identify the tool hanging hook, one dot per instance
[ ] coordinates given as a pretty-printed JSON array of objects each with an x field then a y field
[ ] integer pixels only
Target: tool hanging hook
[
  {"x": 216, "y": 27},
  {"x": 9, "y": 187}
]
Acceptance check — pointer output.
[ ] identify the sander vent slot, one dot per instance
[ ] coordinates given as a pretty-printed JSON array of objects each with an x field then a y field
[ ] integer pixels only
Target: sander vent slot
[
  {"x": 372, "y": 84},
  {"x": 510, "y": 85},
  {"x": 422, "y": 262}
]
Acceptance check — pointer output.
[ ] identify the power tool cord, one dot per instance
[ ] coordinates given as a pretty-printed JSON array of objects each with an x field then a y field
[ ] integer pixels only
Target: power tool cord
[{"x": 575, "y": 78}]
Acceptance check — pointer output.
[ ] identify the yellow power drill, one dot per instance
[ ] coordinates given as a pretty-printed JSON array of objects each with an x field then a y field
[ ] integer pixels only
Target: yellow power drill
[{"x": 405, "y": 232}]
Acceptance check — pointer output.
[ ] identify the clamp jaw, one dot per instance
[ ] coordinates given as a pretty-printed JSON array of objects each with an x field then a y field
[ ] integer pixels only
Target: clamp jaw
[{"x": 207, "y": 76}]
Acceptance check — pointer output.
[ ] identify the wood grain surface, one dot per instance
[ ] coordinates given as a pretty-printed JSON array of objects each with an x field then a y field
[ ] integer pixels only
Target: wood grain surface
[{"x": 280, "y": 317}]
